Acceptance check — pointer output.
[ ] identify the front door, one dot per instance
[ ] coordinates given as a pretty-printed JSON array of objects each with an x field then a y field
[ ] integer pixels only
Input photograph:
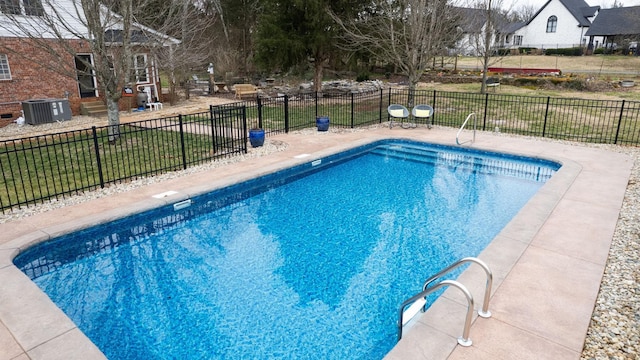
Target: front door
[{"x": 86, "y": 80}]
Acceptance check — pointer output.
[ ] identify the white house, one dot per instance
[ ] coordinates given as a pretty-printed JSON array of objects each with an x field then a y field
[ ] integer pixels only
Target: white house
[
  {"x": 473, "y": 24},
  {"x": 558, "y": 24}
]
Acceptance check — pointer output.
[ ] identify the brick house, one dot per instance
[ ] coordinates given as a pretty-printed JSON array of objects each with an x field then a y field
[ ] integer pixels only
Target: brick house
[{"x": 29, "y": 71}]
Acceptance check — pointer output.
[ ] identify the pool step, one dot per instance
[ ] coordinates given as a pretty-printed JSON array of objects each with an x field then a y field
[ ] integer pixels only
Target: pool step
[{"x": 467, "y": 162}]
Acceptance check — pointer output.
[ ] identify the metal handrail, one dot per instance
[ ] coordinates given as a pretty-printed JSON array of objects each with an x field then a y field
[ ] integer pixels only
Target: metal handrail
[
  {"x": 464, "y": 340},
  {"x": 485, "y": 313},
  {"x": 475, "y": 124}
]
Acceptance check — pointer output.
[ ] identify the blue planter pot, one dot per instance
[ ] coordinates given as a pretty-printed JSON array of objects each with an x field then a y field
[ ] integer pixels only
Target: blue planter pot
[
  {"x": 256, "y": 137},
  {"x": 322, "y": 122}
]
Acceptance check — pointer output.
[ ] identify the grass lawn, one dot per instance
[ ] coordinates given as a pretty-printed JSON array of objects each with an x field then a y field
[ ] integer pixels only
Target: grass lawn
[
  {"x": 630, "y": 94},
  {"x": 604, "y": 72},
  {"x": 602, "y": 65},
  {"x": 49, "y": 166}
]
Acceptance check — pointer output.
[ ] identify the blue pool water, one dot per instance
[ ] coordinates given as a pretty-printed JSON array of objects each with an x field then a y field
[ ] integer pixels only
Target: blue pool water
[{"x": 308, "y": 263}]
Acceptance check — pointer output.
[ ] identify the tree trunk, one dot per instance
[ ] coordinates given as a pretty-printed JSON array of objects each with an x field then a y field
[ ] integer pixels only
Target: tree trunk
[
  {"x": 113, "y": 120},
  {"x": 317, "y": 76},
  {"x": 488, "y": 37},
  {"x": 414, "y": 78}
]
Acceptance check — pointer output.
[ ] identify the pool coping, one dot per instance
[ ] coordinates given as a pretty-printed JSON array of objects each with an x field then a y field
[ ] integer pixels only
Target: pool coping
[{"x": 32, "y": 325}]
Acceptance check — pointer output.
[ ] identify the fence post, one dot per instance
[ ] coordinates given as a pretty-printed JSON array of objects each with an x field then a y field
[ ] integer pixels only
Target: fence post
[
  {"x": 546, "y": 114},
  {"x": 286, "y": 113},
  {"x": 316, "y": 102},
  {"x": 388, "y": 116},
  {"x": 353, "y": 106},
  {"x": 260, "y": 113},
  {"x": 184, "y": 152},
  {"x": 486, "y": 110},
  {"x": 381, "y": 105},
  {"x": 245, "y": 135},
  {"x": 213, "y": 128},
  {"x": 615, "y": 141},
  {"x": 433, "y": 116},
  {"x": 98, "y": 161}
]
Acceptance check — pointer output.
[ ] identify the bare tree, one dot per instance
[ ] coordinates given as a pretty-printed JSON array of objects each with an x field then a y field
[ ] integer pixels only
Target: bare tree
[
  {"x": 197, "y": 26},
  {"x": 617, "y": 4},
  {"x": 241, "y": 20},
  {"x": 488, "y": 28},
  {"x": 405, "y": 33},
  {"x": 62, "y": 28},
  {"x": 525, "y": 12}
]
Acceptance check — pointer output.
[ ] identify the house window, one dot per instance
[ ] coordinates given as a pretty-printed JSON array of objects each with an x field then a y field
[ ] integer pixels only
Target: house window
[
  {"x": 33, "y": 7},
  {"x": 10, "y": 7},
  {"x": 517, "y": 40},
  {"x": 20, "y": 7},
  {"x": 552, "y": 24},
  {"x": 139, "y": 68},
  {"x": 5, "y": 72}
]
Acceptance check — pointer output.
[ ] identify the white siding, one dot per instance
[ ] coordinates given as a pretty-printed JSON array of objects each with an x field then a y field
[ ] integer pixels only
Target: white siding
[
  {"x": 65, "y": 15},
  {"x": 568, "y": 33}
]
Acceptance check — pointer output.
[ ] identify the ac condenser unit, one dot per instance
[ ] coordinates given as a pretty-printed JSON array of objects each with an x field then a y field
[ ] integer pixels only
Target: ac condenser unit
[{"x": 41, "y": 111}]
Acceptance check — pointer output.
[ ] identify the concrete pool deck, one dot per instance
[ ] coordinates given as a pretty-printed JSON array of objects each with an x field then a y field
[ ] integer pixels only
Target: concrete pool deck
[{"x": 547, "y": 263}]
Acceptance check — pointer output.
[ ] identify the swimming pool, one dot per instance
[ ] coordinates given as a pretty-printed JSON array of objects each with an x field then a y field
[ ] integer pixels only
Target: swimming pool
[{"x": 276, "y": 265}]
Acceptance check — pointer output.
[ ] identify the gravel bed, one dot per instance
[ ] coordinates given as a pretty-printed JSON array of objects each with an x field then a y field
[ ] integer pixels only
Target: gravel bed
[
  {"x": 81, "y": 122},
  {"x": 614, "y": 329}
]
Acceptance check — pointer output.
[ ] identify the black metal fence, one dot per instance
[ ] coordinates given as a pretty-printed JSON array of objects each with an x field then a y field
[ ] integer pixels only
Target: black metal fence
[
  {"x": 289, "y": 113},
  {"x": 54, "y": 166},
  {"x": 594, "y": 121},
  {"x": 45, "y": 167}
]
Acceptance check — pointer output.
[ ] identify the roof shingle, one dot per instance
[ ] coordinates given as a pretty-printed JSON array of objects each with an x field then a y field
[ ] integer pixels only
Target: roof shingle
[{"x": 616, "y": 21}]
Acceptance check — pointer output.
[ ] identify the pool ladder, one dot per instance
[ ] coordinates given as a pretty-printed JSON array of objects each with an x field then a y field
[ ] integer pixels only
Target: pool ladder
[
  {"x": 417, "y": 302},
  {"x": 475, "y": 125}
]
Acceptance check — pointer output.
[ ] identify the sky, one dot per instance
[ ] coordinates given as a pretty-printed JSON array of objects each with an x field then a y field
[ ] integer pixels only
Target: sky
[{"x": 538, "y": 3}]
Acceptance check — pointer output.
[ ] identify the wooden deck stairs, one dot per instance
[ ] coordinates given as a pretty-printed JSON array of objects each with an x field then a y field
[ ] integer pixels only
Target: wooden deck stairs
[{"x": 93, "y": 108}]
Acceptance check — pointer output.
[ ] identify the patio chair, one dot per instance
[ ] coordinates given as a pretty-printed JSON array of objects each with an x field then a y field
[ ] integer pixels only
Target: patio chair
[
  {"x": 423, "y": 112},
  {"x": 397, "y": 111},
  {"x": 492, "y": 82}
]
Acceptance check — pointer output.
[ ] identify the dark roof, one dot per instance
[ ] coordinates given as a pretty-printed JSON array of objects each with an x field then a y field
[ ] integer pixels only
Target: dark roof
[
  {"x": 590, "y": 11},
  {"x": 513, "y": 27},
  {"x": 616, "y": 21},
  {"x": 580, "y": 10},
  {"x": 472, "y": 20}
]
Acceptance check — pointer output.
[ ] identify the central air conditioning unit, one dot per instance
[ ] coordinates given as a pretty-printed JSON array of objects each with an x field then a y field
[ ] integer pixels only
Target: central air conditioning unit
[{"x": 42, "y": 111}]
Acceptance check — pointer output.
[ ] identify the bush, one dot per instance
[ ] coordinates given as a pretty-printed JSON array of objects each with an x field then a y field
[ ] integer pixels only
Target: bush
[
  {"x": 527, "y": 81},
  {"x": 575, "y": 51},
  {"x": 569, "y": 83},
  {"x": 532, "y": 82},
  {"x": 363, "y": 76},
  {"x": 526, "y": 50}
]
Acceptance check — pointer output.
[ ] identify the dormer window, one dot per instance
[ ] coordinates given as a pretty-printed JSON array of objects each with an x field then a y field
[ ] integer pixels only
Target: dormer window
[
  {"x": 552, "y": 24},
  {"x": 22, "y": 7}
]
